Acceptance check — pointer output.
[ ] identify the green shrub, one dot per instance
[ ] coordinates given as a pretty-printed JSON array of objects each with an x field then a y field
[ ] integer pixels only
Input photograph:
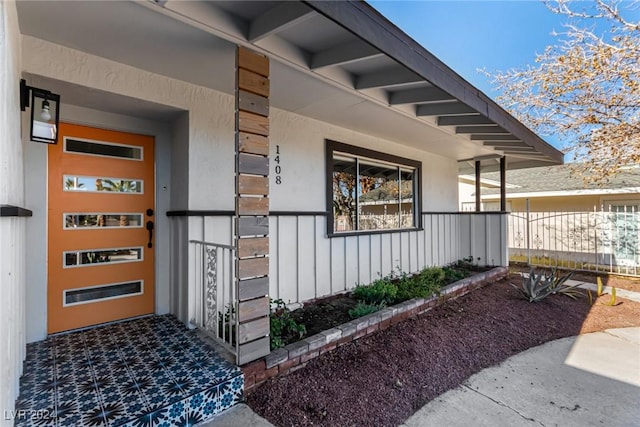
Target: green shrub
[
  {"x": 421, "y": 285},
  {"x": 362, "y": 309},
  {"x": 453, "y": 275},
  {"x": 283, "y": 325},
  {"x": 382, "y": 291}
]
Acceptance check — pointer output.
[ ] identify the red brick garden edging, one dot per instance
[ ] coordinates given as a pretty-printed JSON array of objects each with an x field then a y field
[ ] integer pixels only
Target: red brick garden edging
[{"x": 296, "y": 355}]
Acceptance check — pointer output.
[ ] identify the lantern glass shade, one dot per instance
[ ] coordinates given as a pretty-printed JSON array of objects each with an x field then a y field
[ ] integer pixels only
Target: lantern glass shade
[{"x": 45, "y": 116}]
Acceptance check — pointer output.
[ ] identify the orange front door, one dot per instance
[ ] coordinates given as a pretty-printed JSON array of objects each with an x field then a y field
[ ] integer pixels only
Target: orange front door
[{"x": 100, "y": 206}]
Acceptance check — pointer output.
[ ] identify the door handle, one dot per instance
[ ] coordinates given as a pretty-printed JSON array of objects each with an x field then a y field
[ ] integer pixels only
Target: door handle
[{"x": 150, "y": 226}]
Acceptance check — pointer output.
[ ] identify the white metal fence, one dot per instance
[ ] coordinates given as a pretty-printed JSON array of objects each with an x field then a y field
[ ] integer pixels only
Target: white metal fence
[{"x": 602, "y": 240}]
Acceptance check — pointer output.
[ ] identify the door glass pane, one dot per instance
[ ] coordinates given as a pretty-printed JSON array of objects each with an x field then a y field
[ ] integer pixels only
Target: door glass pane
[
  {"x": 101, "y": 256},
  {"x": 344, "y": 193},
  {"x": 95, "y": 220},
  {"x": 378, "y": 191},
  {"x": 108, "y": 149},
  {"x": 102, "y": 292},
  {"x": 97, "y": 184}
]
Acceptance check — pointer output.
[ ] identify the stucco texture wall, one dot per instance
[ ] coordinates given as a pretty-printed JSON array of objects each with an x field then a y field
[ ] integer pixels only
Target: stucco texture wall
[
  {"x": 302, "y": 144},
  {"x": 12, "y": 230}
]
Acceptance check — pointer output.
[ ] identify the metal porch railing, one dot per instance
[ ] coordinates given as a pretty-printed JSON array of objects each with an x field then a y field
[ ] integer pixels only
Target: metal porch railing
[{"x": 216, "y": 293}]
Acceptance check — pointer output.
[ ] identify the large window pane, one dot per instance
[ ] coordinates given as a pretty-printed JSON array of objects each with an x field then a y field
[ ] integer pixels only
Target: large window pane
[
  {"x": 344, "y": 193},
  {"x": 370, "y": 191},
  {"x": 378, "y": 191},
  {"x": 407, "y": 215}
]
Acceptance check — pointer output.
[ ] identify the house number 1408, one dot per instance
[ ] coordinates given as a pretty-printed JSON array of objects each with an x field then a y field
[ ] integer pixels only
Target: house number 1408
[{"x": 278, "y": 169}]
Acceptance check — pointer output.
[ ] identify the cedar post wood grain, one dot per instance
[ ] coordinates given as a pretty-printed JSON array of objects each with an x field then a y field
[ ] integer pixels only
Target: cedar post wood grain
[
  {"x": 254, "y": 185},
  {"x": 252, "y": 204},
  {"x": 253, "y": 247},
  {"x": 253, "y": 123},
  {"x": 253, "y": 144}
]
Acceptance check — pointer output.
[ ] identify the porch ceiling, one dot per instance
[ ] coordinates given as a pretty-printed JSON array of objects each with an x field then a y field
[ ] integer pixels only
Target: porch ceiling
[{"x": 342, "y": 63}]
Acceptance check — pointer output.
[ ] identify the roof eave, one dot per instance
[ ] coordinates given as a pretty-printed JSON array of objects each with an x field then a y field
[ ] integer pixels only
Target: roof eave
[{"x": 364, "y": 21}]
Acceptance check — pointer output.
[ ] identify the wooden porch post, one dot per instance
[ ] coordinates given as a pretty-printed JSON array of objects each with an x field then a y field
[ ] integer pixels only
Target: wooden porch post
[
  {"x": 503, "y": 184},
  {"x": 252, "y": 205},
  {"x": 478, "y": 201}
]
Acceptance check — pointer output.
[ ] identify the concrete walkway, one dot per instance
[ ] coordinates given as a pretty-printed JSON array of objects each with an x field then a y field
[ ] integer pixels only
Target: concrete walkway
[{"x": 589, "y": 380}]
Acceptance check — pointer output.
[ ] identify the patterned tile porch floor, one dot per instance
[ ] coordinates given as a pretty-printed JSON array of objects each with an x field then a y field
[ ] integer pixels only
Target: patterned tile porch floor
[{"x": 144, "y": 372}]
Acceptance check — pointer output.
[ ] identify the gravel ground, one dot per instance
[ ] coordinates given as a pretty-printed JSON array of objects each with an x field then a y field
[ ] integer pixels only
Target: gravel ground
[{"x": 382, "y": 379}]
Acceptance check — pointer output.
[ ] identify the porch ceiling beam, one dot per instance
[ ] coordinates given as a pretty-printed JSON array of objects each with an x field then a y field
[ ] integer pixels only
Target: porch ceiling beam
[
  {"x": 524, "y": 153},
  {"x": 489, "y": 130},
  {"x": 495, "y": 138},
  {"x": 444, "y": 109},
  {"x": 416, "y": 96},
  {"x": 465, "y": 121},
  {"x": 356, "y": 50},
  {"x": 387, "y": 77},
  {"x": 504, "y": 143},
  {"x": 515, "y": 149},
  {"x": 277, "y": 19}
]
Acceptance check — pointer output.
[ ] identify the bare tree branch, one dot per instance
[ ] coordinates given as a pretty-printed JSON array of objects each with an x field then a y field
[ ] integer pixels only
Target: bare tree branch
[{"x": 586, "y": 87}]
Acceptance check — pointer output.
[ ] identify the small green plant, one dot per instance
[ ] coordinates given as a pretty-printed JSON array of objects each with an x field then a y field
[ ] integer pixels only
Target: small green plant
[
  {"x": 362, "y": 309},
  {"x": 590, "y": 297},
  {"x": 421, "y": 285},
  {"x": 381, "y": 291},
  {"x": 283, "y": 325},
  {"x": 539, "y": 285},
  {"x": 600, "y": 287},
  {"x": 612, "y": 300},
  {"x": 453, "y": 275}
]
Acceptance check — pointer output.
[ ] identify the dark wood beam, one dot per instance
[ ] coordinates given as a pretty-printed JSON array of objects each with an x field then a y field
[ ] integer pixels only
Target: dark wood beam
[
  {"x": 515, "y": 149},
  {"x": 393, "y": 76},
  {"x": 505, "y": 143},
  {"x": 465, "y": 121},
  {"x": 495, "y": 138},
  {"x": 355, "y": 50},
  {"x": 489, "y": 130},
  {"x": 444, "y": 109},
  {"x": 413, "y": 96},
  {"x": 277, "y": 19}
]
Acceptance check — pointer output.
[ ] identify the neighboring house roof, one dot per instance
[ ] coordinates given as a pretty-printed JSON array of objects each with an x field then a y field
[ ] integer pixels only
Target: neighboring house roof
[{"x": 557, "y": 181}]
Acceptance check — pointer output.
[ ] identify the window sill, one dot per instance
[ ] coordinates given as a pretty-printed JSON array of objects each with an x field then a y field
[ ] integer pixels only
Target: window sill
[{"x": 370, "y": 232}]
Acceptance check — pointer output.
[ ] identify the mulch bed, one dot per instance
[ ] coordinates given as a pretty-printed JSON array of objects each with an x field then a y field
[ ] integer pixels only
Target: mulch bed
[{"x": 382, "y": 379}]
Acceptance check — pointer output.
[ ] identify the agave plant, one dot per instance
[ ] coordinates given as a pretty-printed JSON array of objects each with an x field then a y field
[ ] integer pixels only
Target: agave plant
[{"x": 538, "y": 285}]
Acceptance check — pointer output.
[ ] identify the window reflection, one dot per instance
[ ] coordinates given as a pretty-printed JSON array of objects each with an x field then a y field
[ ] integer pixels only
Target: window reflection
[
  {"x": 74, "y": 259},
  {"x": 94, "y": 220},
  {"x": 97, "y": 184},
  {"x": 371, "y": 194}
]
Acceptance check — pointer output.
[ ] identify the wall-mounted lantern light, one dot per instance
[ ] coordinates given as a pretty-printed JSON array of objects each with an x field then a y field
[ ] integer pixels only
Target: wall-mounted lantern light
[{"x": 45, "y": 113}]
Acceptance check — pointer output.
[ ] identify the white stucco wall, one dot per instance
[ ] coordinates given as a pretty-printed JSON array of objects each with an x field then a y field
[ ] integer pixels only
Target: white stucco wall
[
  {"x": 202, "y": 152},
  {"x": 302, "y": 145},
  {"x": 12, "y": 230}
]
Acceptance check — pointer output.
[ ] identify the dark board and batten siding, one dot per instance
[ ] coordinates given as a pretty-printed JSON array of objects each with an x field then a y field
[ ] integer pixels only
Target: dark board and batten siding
[{"x": 252, "y": 204}]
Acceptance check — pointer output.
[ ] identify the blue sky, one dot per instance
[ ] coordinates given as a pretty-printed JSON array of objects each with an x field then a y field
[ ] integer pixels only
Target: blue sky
[{"x": 467, "y": 35}]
